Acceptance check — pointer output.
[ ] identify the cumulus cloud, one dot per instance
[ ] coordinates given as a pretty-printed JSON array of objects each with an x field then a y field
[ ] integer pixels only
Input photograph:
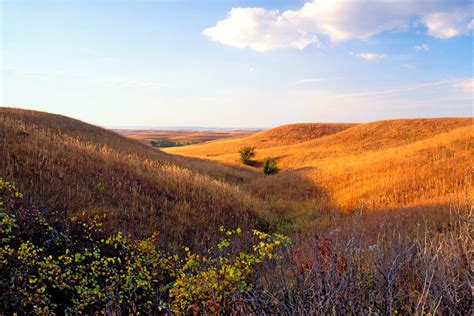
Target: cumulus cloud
[
  {"x": 450, "y": 23},
  {"x": 263, "y": 30},
  {"x": 259, "y": 29},
  {"x": 370, "y": 56}
]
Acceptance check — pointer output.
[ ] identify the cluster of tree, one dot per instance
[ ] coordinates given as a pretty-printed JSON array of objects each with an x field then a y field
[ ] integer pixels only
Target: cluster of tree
[
  {"x": 248, "y": 153},
  {"x": 169, "y": 143}
]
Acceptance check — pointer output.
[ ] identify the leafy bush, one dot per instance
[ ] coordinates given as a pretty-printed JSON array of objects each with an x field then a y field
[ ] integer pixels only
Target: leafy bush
[
  {"x": 269, "y": 166},
  {"x": 246, "y": 154},
  {"x": 53, "y": 264}
]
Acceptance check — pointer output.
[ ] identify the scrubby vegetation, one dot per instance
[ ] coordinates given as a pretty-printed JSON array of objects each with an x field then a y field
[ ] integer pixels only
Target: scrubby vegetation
[
  {"x": 269, "y": 166},
  {"x": 246, "y": 154},
  {"x": 54, "y": 264},
  {"x": 162, "y": 143}
]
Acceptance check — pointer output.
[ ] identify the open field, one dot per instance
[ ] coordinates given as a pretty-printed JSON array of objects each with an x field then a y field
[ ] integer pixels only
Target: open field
[
  {"x": 90, "y": 169},
  {"x": 378, "y": 218},
  {"x": 386, "y": 164},
  {"x": 146, "y": 136}
]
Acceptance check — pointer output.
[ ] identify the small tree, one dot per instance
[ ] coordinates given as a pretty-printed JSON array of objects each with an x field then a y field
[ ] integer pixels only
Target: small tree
[
  {"x": 269, "y": 166},
  {"x": 246, "y": 154}
]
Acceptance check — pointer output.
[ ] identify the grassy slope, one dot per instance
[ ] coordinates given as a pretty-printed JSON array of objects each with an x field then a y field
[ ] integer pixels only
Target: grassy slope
[
  {"x": 75, "y": 166},
  {"x": 378, "y": 165},
  {"x": 279, "y": 136}
]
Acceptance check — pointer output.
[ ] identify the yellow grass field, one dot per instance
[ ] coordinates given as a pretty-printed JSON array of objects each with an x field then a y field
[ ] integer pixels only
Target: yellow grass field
[
  {"x": 358, "y": 202},
  {"x": 385, "y": 164}
]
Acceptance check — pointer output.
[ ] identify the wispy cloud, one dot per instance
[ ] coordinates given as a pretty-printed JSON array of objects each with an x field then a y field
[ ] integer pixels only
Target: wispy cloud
[
  {"x": 308, "y": 80},
  {"x": 408, "y": 66},
  {"x": 120, "y": 82},
  {"x": 422, "y": 47},
  {"x": 466, "y": 85},
  {"x": 370, "y": 56},
  {"x": 410, "y": 88}
]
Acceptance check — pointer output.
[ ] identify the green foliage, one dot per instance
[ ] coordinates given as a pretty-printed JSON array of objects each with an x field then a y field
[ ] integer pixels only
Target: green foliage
[
  {"x": 163, "y": 143},
  {"x": 246, "y": 154},
  {"x": 269, "y": 166},
  {"x": 53, "y": 264},
  {"x": 215, "y": 285}
]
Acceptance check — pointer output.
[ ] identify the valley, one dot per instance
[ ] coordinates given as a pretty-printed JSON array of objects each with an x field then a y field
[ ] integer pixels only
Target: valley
[{"x": 340, "y": 191}]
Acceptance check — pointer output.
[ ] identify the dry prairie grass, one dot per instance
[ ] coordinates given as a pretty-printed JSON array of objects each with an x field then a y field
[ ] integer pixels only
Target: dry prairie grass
[
  {"x": 386, "y": 164},
  {"x": 279, "y": 136},
  {"x": 411, "y": 257},
  {"x": 73, "y": 166}
]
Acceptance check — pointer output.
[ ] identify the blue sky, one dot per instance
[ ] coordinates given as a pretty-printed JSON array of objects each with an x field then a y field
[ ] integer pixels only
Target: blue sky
[{"x": 238, "y": 63}]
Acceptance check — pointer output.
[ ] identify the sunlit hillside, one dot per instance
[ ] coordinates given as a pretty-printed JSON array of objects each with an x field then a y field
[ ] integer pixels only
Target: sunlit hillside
[
  {"x": 280, "y": 136},
  {"x": 74, "y": 166},
  {"x": 385, "y": 164}
]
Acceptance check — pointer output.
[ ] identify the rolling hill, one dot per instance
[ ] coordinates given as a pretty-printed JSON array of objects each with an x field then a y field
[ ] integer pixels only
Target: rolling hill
[
  {"x": 174, "y": 256},
  {"x": 384, "y": 164},
  {"x": 74, "y": 166},
  {"x": 191, "y": 190},
  {"x": 275, "y": 137}
]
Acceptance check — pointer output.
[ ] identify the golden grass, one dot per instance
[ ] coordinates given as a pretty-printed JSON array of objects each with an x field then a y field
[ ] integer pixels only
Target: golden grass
[
  {"x": 386, "y": 164},
  {"x": 280, "y": 136},
  {"x": 325, "y": 168},
  {"x": 78, "y": 167}
]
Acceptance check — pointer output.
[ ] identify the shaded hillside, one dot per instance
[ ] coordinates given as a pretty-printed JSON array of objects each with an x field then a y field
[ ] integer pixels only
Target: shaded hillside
[
  {"x": 394, "y": 163},
  {"x": 78, "y": 167}
]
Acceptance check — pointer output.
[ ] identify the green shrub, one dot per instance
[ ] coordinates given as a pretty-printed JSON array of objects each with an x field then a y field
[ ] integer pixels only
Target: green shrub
[
  {"x": 246, "y": 154},
  {"x": 52, "y": 264},
  {"x": 269, "y": 166}
]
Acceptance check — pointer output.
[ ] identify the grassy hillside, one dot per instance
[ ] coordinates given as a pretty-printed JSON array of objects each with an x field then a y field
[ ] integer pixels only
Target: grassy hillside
[
  {"x": 325, "y": 168},
  {"x": 279, "y": 136},
  {"x": 410, "y": 258},
  {"x": 386, "y": 164},
  {"x": 78, "y": 167}
]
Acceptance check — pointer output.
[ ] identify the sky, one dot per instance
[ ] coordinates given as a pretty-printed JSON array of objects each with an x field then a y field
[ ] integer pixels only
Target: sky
[{"x": 226, "y": 63}]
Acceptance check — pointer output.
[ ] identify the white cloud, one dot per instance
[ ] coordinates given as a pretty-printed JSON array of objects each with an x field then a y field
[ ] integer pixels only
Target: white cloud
[
  {"x": 466, "y": 85},
  {"x": 259, "y": 29},
  {"x": 263, "y": 30},
  {"x": 370, "y": 56},
  {"x": 450, "y": 23},
  {"x": 422, "y": 47},
  {"x": 470, "y": 26}
]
